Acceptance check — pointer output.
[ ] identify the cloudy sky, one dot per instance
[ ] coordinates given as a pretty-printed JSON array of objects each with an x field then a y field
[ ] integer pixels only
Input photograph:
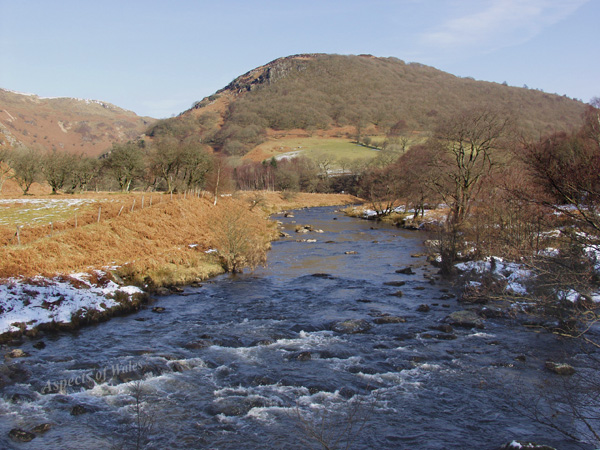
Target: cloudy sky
[{"x": 157, "y": 57}]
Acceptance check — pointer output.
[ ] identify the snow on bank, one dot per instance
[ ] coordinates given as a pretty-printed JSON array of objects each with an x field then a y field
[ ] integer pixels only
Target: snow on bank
[
  {"x": 45, "y": 300},
  {"x": 429, "y": 215},
  {"x": 516, "y": 275}
]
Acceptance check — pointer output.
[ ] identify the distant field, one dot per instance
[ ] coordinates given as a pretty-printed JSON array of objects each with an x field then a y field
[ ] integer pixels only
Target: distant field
[
  {"x": 40, "y": 211},
  {"x": 311, "y": 147}
]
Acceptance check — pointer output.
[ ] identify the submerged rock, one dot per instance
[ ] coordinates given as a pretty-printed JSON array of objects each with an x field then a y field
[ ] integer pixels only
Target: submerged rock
[
  {"x": 389, "y": 319},
  {"x": 78, "y": 410},
  {"x": 445, "y": 328},
  {"x": 406, "y": 271},
  {"x": 560, "y": 368},
  {"x": 424, "y": 308},
  {"x": 18, "y": 435},
  {"x": 394, "y": 283},
  {"x": 465, "y": 319},
  {"x": 303, "y": 356},
  {"x": 351, "y": 326},
  {"x": 42, "y": 428}
]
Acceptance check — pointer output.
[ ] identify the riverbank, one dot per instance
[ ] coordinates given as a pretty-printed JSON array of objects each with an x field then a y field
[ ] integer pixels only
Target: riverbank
[{"x": 87, "y": 274}]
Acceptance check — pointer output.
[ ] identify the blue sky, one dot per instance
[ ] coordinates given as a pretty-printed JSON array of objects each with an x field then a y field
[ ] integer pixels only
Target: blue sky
[{"x": 157, "y": 57}]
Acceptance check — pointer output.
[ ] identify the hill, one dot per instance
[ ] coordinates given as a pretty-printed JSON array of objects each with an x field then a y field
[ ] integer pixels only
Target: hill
[
  {"x": 74, "y": 125},
  {"x": 345, "y": 96}
]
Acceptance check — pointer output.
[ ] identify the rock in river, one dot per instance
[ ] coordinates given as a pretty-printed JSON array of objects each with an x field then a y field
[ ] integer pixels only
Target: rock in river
[
  {"x": 351, "y": 326},
  {"x": 16, "y": 353},
  {"x": 465, "y": 319},
  {"x": 525, "y": 446}
]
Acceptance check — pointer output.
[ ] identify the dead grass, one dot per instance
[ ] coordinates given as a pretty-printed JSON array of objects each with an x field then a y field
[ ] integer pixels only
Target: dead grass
[
  {"x": 280, "y": 201},
  {"x": 162, "y": 244}
]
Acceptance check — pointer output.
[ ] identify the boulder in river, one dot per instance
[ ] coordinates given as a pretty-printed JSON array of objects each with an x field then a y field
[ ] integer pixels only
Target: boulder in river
[
  {"x": 406, "y": 271},
  {"x": 424, "y": 308},
  {"x": 16, "y": 353},
  {"x": 351, "y": 326},
  {"x": 465, "y": 319}
]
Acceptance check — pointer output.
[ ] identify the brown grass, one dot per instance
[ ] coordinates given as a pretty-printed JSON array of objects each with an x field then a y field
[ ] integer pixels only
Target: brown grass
[
  {"x": 158, "y": 245},
  {"x": 152, "y": 244},
  {"x": 273, "y": 202}
]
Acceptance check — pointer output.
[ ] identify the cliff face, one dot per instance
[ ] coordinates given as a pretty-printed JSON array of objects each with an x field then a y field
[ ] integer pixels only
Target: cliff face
[
  {"x": 269, "y": 73},
  {"x": 73, "y": 125}
]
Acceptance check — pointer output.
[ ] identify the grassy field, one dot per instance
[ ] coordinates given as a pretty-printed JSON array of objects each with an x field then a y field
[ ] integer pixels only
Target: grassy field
[{"x": 311, "y": 147}]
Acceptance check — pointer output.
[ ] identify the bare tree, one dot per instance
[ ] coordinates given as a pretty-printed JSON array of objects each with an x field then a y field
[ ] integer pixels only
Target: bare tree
[
  {"x": 5, "y": 169},
  {"x": 381, "y": 187},
  {"x": 465, "y": 146},
  {"x": 57, "y": 168},
  {"x": 125, "y": 164},
  {"x": 27, "y": 166},
  {"x": 565, "y": 168},
  {"x": 166, "y": 160}
]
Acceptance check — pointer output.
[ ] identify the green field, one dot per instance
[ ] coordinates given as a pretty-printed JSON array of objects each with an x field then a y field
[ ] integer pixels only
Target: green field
[{"x": 313, "y": 147}]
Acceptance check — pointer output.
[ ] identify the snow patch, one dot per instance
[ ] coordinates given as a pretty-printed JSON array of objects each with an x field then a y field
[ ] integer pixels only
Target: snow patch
[{"x": 44, "y": 300}]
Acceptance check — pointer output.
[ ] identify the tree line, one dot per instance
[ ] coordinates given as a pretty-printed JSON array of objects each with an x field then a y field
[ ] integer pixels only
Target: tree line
[{"x": 164, "y": 164}]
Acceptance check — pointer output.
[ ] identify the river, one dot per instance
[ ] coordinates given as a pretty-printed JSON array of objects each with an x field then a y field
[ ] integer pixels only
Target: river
[{"x": 251, "y": 361}]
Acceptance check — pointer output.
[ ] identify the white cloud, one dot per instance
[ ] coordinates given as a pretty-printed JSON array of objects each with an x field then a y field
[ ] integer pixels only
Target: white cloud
[{"x": 499, "y": 23}]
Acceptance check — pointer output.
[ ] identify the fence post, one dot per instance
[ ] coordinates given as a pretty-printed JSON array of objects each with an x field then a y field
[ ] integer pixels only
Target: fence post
[
  {"x": 133, "y": 205},
  {"x": 18, "y": 236},
  {"x": 99, "y": 213}
]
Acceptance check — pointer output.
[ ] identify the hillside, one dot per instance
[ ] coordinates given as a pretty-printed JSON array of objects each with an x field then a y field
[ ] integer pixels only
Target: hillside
[
  {"x": 335, "y": 95},
  {"x": 75, "y": 125}
]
